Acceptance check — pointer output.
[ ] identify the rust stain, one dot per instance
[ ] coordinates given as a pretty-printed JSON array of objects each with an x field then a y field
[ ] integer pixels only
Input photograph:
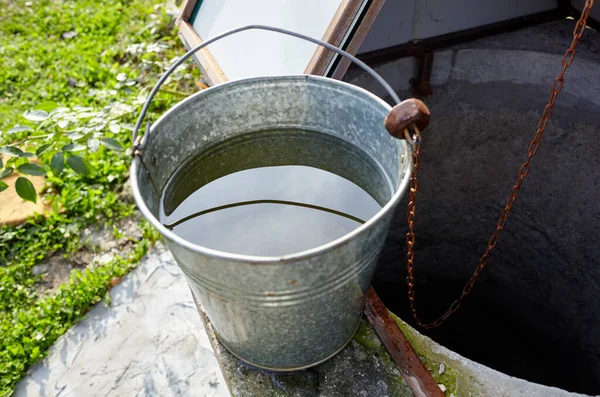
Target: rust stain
[
  {"x": 292, "y": 282},
  {"x": 411, "y": 367}
]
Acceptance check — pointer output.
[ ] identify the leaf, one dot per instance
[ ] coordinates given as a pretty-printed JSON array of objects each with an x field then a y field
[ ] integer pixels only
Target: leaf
[
  {"x": 78, "y": 165},
  {"x": 31, "y": 169},
  {"x": 80, "y": 108},
  {"x": 19, "y": 128},
  {"x": 58, "y": 111},
  {"x": 75, "y": 135},
  {"x": 27, "y": 155},
  {"x": 69, "y": 35},
  {"x": 7, "y": 171},
  {"x": 62, "y": 123},
  {"x": 19, "y": 161},
  {"x": 73, "y": 147},
  {"x": 3, "y": 186},
  {"x": 111, "y": 144},
  {"x": 1, "y": 163},
  {"x": 114, "y": 128},
  {"x": 121, "y": 77},
  {"x": 35, "y": 352},
  {"x": 42, "y": 149},
  {"x": 36, "y": 115},
  {"x": 96, "y": 120},
  {"x": 100, "y": 127},
  {"x": 12, "y": 150},
  {"x": 57, "y": 163},
  {"x": 55, "y": 206},
  {"x": 93, "y": 144},
  {"x": 47, "y": 106},
  {"x": 25, "y": 189},
  {"x": 85, "y": 115}
]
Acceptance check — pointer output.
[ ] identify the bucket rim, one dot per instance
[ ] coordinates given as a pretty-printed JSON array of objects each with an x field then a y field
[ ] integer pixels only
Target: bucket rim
[{"x": 253, "y": 259}]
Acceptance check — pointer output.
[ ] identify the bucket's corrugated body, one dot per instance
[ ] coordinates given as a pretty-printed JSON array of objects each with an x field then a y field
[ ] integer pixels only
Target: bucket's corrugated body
[{"x": 291, "y": 312}]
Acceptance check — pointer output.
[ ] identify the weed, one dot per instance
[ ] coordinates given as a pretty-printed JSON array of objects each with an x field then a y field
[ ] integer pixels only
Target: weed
[{"x": 73, "y": 75}]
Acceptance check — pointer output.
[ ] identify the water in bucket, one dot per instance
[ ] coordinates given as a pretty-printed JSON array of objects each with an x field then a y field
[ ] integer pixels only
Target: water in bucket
[{"x": 281, "y": 204}]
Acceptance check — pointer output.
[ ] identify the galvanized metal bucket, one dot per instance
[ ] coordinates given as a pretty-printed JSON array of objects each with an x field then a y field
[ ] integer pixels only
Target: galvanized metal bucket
[{"x": 295, "y": 311}]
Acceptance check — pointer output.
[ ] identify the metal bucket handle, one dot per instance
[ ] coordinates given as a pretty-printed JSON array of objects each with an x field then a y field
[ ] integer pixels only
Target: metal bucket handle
[{"x": 136, "y": 139}]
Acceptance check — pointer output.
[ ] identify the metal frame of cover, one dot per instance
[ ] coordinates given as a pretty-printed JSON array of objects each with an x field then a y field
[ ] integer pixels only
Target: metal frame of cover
[
  {"x": 346, "y": 30},
  {"x": 361, "y": 26},
  {"x": 416, "y": 46}
]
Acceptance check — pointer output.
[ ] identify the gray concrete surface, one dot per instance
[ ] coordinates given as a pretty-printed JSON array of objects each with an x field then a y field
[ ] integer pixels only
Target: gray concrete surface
[
  {"x": 364, "y": 368},
  {"x": 528, "y": 56},
  {"x": 534, "y": 312},
  {"x": 149, "y": 342}
]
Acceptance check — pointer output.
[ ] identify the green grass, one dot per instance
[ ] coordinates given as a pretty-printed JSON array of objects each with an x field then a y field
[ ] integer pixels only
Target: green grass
[{"x": 96, "y": 54}]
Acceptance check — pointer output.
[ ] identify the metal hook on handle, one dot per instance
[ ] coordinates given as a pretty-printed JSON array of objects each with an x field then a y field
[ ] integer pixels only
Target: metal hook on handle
[{"x": 136, "y": 140}]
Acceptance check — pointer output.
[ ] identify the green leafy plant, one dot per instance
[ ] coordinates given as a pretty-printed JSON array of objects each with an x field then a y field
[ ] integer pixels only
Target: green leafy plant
[
  {"x": 28, "y": 334},
  {"x": 58, "y": 139},
  {"x": 70, "y": 89},
  {"x": 79, "y": 81}
]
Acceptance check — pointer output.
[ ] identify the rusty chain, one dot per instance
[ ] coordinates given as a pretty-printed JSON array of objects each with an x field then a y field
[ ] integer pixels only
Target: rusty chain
[{"x": 567, "y": 60}]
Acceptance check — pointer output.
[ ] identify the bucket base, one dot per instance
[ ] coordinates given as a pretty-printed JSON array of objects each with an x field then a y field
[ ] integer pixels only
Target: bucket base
[{"x": 291, "y": 369}]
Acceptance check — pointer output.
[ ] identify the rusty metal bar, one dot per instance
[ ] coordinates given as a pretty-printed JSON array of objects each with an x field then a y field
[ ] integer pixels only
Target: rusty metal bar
[
  {"x": 410, "y": 365},
  {"x": 422, "y": 84}
]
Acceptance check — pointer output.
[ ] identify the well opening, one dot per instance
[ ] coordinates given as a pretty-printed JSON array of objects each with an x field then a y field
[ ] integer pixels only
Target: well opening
[{"x": 535, "y": 312}]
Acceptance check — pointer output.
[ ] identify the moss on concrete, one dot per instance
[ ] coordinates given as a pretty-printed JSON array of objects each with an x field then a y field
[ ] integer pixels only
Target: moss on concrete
[
  {"x": 368, "y": 339},
  {"x": 365, "y": 366},
  {"x": 456, "y": 378}
]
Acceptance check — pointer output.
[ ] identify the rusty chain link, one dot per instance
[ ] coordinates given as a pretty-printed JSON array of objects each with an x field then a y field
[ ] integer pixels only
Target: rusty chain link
[{"x": 567, "y": 60}]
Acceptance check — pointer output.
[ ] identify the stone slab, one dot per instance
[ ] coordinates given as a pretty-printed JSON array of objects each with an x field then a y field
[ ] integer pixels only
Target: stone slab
[
  {"x": 149, "y": 342},
  {"x": 541, "y": 276},
  {"x": 14, "y": 210},
  {"x": 526, "y": 67},
  {"x": 364, "y": 368}
]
